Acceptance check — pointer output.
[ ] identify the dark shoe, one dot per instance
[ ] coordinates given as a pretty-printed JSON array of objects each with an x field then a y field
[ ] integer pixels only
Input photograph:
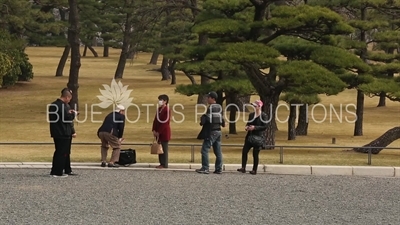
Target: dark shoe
[
  {"x": 103, "y": 164},
  {"x": 160, "y": 167},
  {"x": 112, "y": 165},
  {"x": 243, "y": 170},
  {"x": 253, "y": 172},
  {"x": 203, "y": 171},
  {"x": 72, "y": 174},
  {"x": 218, "y": 172}
]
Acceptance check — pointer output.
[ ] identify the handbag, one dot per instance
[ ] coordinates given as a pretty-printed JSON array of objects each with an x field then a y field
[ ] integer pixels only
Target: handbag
[
  {"x": 255, "y": 140},
  {"x": 156, "y": 148},
  {"x": 127, "y": 157}
]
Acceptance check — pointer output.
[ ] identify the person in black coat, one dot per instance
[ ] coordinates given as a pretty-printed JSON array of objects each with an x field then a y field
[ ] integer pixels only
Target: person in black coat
[
  {"x": 255, "y": 138},
  {"x": 67, "y": 167},
  {"x": 61, "y": 130},
  {"x": 111, "y": 134}
]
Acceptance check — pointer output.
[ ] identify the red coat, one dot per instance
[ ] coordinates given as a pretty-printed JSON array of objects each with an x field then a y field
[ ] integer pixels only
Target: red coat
[{"x": 161, "y": 123}]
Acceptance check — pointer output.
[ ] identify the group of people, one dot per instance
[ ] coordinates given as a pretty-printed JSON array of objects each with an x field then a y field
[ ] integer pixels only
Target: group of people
[
  {"x": 212, "y": 122},
  {"x": 111, "y": 132}
]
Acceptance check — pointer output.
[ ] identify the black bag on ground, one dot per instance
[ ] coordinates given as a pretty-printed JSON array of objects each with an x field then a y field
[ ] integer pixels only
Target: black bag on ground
[{"x": 127, "y": 157}]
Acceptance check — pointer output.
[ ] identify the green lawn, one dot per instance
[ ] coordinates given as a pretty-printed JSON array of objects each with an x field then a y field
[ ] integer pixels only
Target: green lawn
[{"x": 23, "y": 117}]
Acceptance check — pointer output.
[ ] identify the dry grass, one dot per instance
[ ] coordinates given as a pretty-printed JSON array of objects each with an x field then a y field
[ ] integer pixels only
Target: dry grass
[{"x": 23, "y": 117}]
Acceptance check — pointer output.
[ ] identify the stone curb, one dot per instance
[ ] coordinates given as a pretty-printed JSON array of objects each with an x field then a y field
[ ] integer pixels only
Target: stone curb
[{"x": 316, "y": 170}]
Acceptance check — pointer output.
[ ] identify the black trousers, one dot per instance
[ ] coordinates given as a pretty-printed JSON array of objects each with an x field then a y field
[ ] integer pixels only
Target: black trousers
[
  {"x": 67, "y": 167},
  {"x": 245, "y": 151},
  {"x": 61, "y": 159},
  {"x": 163, "y": 158}
]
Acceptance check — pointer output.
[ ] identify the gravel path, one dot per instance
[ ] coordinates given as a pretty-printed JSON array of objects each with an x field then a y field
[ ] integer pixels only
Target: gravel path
[{"x": 113, "y": 196}]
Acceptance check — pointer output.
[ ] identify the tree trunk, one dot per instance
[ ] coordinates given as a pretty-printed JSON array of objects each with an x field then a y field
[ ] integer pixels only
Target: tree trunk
[
  {"x": 93, "y": 51},
  {"x": 94, "y": 42},
  {"x": 240, "y": 102},
  {"x": 266, "y": 88},
  {"x": 63, "y": 14},
  {"x": 382, "y": 99},
  {"x": 125, "y": 48},
  {"x": 231, "y": 102},
  {"x": 232, "y": 120},
  {"x": 270, "y": 104},
  {"x": 171, "y": 69},
  {"x": 302, "y": 125},
  {"x": 202, "y": 99},
  {"x": 191, "y": 78},
  {"x": 131, "y": 54},
  {"x": 220, "y": 98},
  {"x": 164, "y": 69},
  {"x": 84, "y": 51},
  {"x": 106, "y": 51},
  {"x": 292, "y": 123},
  {"x": 383, "y": 141},
  {"x": 382, "y": 95},
  {"x": 274, "y": 125},
  {"x": 154, "y": 57},
  {"x": 273, "y": 72},
  {"x": 260, "y": 12},
  {"x": 74, "y": 42},
  {"x": 63, "y": 60},
  {"x": 358, "y": 126}
]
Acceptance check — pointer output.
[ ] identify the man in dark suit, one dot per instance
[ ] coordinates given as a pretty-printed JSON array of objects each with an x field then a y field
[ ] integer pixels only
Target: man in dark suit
[
  {"x": 61, "y": 118},
  {"x": 110, "y": 134},
  {"x": 67, "y": 167}
]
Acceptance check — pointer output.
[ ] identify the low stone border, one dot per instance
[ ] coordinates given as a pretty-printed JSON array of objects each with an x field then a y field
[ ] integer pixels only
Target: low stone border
[{"x": 316, "y": 170}]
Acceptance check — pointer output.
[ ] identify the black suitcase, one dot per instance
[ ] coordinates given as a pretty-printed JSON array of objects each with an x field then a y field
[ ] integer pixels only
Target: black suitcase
[{"x": 127, "y": 157}]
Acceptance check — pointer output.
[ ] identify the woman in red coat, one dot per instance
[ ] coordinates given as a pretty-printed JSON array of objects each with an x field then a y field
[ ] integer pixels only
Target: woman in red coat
[{"x": 161, "y": 129}]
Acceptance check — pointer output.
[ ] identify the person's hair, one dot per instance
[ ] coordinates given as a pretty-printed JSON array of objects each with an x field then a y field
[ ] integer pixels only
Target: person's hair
[
  {"x": 164, "y": 97},
  {"x": 66, "y": 92}
]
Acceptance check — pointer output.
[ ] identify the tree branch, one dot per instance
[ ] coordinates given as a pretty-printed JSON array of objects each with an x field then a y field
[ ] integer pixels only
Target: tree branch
[
  {"x": 391, "y": 98},
  {"x": 256, "y": 2},
  {"x": 200, "y": 73},
  {"x": 271, "y": 37},
  {"x": 256, "y": 76},
  {"x": 372, "y": 41},
  {"x": 209, "y": 77},
  {"x": 184, "y": 5},
  {"x": 190, "y": 77}
]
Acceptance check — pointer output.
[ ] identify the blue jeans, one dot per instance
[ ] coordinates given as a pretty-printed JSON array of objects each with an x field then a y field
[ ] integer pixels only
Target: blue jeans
[{"x": 215, "y": 141}]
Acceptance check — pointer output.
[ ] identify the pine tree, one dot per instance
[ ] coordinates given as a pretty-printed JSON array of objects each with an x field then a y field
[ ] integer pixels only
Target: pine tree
[
  {"x": 360, "y": 14},
  {"x": 20, "y": 23},
  {"x": 242, "y": 33},
  {"x": 303, "y": 101},
  {"x": 137, "y": 17},
  {"x": 27, "y": 20},
  {"x": 296, "y": 49},
  {"x": 385, "y": 63},
  {"x": 226, "y": 78},
  {"x": 91, "y": 19},
  {"x": 175, "y": 34}
]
